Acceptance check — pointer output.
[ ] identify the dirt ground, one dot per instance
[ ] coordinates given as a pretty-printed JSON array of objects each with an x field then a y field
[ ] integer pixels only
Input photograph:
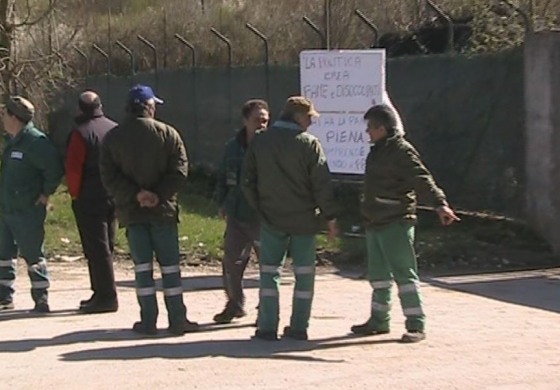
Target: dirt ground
[{"x": 493, "y": 331}]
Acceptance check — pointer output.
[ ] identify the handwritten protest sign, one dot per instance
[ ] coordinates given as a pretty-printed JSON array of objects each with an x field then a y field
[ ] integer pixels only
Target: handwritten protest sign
[{"x": 343, "y": 85}]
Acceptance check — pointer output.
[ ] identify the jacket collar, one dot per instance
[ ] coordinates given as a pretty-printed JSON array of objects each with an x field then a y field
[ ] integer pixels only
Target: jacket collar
[
  {"x": 241, "y": 137},
  {"x": 15, "y": 140},
  {"x": 382, "y": 143},
  {"x": 287, "y": 125},
  {"x": 86, "y": 117}
]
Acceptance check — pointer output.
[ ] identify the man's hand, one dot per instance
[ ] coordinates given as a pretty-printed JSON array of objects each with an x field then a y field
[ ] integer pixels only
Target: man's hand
[
  {"x": 332, "y": 228},
  {"x": 147, "y": 198},
  {"x": 447, "y": 215},
  {"x": 222, "y": 213},
  {"x": 43, "y": 199}
]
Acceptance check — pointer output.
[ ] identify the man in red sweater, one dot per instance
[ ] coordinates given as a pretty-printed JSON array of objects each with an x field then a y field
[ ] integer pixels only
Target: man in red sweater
[{"x": 93, "y": 208}]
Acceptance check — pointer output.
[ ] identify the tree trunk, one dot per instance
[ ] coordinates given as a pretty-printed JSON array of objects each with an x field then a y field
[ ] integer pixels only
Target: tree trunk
[{"x": 7, "y": 40}]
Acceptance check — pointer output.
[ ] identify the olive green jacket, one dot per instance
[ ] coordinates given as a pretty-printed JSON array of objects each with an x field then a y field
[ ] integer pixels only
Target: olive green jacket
[
  {"x": 143, "y": 154},
  {"x": 395, "y": 176},
  {"x": 287, "y": 180},
  {"x": 228, "y": 182}
]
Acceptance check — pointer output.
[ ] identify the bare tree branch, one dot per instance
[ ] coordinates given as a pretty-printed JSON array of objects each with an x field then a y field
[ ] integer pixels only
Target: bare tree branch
[
  {"x": 46, "y": 13},
  {"x": 526, "y": 18},
  {"x": 545, "y": 7}
]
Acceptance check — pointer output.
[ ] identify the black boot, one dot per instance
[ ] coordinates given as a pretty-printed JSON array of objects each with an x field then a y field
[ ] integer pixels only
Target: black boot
[
  {"x": 229, "y": 313},
  {"x": 101, "y": 305},
  {"x": 367, "y": 329},
  {"x": 265, "y": 335},
  {"x": 295, "y": 334},
  {"x": 184, "y": 327},
  {"x": 87, "y": 301},
  {"x": 144, "y": 329}
]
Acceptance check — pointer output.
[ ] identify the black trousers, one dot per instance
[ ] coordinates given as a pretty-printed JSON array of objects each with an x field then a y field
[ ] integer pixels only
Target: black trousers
[{"x": 97, "y": 226}]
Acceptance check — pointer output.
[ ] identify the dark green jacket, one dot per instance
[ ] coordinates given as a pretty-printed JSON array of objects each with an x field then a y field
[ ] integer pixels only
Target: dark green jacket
[
  {"x": 228, "y": 188},
  {"x": 143, "y": 153},
  {"x": 395, "y": 176},
  {"x": 287, "y": 180},
  {"x": 31, "y": 166}
]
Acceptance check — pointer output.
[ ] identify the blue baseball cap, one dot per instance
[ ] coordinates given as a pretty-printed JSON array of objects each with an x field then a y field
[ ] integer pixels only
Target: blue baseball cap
[{"x": 141, "y": 94}]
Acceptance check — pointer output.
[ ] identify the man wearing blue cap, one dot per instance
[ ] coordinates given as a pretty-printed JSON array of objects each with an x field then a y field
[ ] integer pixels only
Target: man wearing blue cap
[{"x": 143, "y": 165}]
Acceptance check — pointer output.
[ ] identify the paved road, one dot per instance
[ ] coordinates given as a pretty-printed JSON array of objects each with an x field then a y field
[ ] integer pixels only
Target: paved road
[{"x": 485, "y": 332}]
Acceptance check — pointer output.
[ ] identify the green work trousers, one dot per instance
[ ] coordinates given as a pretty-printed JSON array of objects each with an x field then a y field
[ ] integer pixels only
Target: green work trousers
[
  {"x": 391, "y": 256},
  {"x": 162, "y": 239},
  {"x": 302, "y": 249},
  {"x": 23, "y": 231}
]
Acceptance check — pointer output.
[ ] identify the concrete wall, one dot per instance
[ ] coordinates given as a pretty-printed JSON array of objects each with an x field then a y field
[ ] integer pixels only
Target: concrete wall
[
  {"x": 465, "y": 115},
  {"x": 542, "y": 94}
]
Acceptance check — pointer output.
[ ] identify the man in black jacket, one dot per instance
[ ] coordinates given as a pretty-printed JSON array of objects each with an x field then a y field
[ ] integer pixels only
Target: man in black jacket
[{"x": 93, "y": 207}]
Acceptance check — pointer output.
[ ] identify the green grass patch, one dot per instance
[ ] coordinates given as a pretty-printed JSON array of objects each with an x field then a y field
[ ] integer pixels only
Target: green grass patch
[
  {"x": 475, "y": 244},
  {"x": 200, "y": 229}
]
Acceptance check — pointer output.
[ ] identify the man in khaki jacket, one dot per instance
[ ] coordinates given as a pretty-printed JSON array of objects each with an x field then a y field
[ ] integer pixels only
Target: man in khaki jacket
[
  {"x": 287, "y": 180},
  {"x": 395, "y": 177},
  {"x": 143, "y": 165}
]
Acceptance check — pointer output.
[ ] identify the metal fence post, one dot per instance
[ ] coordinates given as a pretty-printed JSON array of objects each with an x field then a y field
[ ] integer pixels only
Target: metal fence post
[
  {"x": 105, "y": 55},
  {"x": 130, "y": 56},
  {"x": 266, "y": 58},
  {"x": 371, "y": 25},
  {"x": 449, "y": 22},
  {"x": 154, "y": 51},
  {"x": 108, "y": 74},
  {"x": 192, "y": 49},
  {"x": 85, "y": 58},
  {"x": 317, "y": 30},
  {"x": 223, "y": 38}
]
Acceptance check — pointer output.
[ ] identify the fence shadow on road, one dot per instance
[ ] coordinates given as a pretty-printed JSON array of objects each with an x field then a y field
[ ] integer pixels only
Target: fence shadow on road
[
  {"x": 27, "y": 314},
  {"x": 536, "y": 289},
  {"x": 198, "y": 283},
  {"x": 94, "y": 335},
  {"x": 248, "y": 349}
]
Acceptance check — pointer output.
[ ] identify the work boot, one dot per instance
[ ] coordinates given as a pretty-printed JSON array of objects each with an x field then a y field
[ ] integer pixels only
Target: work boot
[
  {"x": 228, "y": 314},
  {"x": 100, "y": 306},
  {"x": 367, "y": 329},
  {"x": 294, "y": 334},
  {"x": 265, "y": 335},
  {"x": 6, "y": 305},
  {"x": 413, "y": 336},
  {"x": 184, "y": 327},
  {"x": 144, "y": 329},
  {"x": 41, "y": 307},
  {"x": 86, "y": 302}
]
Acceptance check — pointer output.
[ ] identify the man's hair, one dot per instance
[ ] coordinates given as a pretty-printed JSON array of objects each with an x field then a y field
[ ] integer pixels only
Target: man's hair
[
  {"x": 89, "y": 107},
  {"x": 251, "y": 105},
  {"x": 383, "y": 115},
  {"x": 137, "y": 108},
  {"x": 10, "y": 113}
]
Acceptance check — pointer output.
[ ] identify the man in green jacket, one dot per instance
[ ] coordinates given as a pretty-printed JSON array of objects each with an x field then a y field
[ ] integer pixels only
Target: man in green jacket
[
  {"x": 143, "y": 165},
  {"x": 287, "y": 180},
  {"x": 31, "y": 171},
  {"x": 242, "y": 223},
  {"x": 395, "y": 177}
]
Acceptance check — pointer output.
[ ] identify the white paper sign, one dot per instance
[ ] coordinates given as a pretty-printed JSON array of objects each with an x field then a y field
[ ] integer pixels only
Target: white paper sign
[{"x": 343, "y": 85}]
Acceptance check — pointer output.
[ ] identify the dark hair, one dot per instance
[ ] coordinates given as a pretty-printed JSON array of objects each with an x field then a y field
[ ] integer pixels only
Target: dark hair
[
  {"x": 383, "y": 115},
  {"x": 287, "y": 116},
  {"x": 251, "y": 105},
  {"x": 11, "y": 113},
  {"x": 89, "y": 108},
  {"x": 137, "y": 108}
]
